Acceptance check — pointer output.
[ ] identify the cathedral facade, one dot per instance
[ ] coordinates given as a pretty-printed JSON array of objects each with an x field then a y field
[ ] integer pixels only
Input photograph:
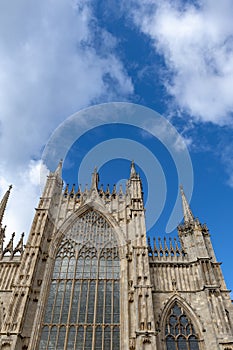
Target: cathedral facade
[{"x": 88, "y": 277}]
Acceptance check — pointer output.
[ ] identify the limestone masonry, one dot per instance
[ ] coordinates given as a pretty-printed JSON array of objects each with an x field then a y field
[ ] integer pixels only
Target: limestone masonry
[{"x": 88, "y": 277}]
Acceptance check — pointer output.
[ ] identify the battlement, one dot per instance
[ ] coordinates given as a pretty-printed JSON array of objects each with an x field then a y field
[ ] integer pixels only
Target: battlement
[
  {"x": 164, "y": 251},
  {"x": 11, "y": 251},
  {"x": 78, "y": 194}
]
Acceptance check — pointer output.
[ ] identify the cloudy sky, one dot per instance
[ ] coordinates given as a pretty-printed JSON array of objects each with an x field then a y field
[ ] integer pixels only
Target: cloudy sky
[{"x": 176, "y": 57}]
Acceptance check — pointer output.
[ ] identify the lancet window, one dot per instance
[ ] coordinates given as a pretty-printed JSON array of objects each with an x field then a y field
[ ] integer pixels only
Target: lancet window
[
  {"x": 179, "y": 332},
  {"x": 83, "y": 305}
]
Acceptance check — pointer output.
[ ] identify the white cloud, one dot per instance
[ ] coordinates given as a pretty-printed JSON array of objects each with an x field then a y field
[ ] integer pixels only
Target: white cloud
[
  {"x": 196, "y": 43},
  {"x": 23, "y": 199},
  {"x": 50, "y": 67}
]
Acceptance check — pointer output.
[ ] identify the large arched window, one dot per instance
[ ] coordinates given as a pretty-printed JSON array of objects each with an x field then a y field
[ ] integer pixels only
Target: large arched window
[
  {"x": 180, "y": 333},
  {"x": 83, "y": 309}
]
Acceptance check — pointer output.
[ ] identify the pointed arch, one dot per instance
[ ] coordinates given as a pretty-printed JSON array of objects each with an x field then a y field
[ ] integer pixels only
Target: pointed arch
[
  {"x": 188, "y": 310},
  {"x": 180, "y": 326},
  {"x": 84, "y": 293},
  {"x": 88, "y": 248},
  {"x": 66, "y": 248},
  {"x": 79, "y": 214}
]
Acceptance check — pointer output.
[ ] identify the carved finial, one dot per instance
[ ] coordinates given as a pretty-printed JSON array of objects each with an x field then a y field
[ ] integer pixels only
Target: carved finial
[
  {"x": 3, "y": 203},
  {"x": 19, "y": 247},
  {"x": 120, "y": 190},
  {"x": 10, "y": 245},
  {"x": 132, "y": 170},
  {"x": 165, "y": 245},
  {"x": 95, "y": 179},
  {"x": 107, "y": 193},
  {"x": 66, "y": 192},
  {"x": 72, "y": 192},
  {"x": 176, "y": 246},
  {"x": 155, "y": 247},
  {"x": 58, "y": 171},
  {"x": 79, "y": 192},
  {"x": 101, "y": 191},
  {"x": 171, "y": 246},
  {"x": 114, "y": 191},
  {"x": 188, "y": 215},
  {"x": 160, "y": 245}
]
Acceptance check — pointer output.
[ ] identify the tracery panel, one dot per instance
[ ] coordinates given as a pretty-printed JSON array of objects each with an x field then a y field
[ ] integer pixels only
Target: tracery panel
[
  {"x": 179, "y": 331},
  {"x": 83, "y": 304}
]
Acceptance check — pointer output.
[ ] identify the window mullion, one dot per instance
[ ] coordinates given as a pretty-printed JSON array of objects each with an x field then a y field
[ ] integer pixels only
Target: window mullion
[
  {"x": 56, "y": 291},
  {"x": 112, "y": 315},
  {"x": 70, "y": 307},
  {"x": 87, "y": 300},
  {"x": 95, "y": 302}
]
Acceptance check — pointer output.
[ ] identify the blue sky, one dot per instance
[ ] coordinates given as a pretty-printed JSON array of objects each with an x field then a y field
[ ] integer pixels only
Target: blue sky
[{"x": 175, "y": 57}]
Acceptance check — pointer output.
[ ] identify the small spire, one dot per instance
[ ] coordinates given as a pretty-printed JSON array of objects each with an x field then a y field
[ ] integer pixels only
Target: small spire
[
  {"x": 171, "y": 246},
  {"x": 176, "y": 246},
  {"x": 95, "y": 179},
  {"x": 101, "y": 190},
  {"x": 132, "y": 170},
  {"x": 72, "y": 192},
  {"x": 188, "y": 215},
  {"x": 79, "y": 192},
  {"x": 155, "y": 246},
  {"x": 165, "y": 245},
  {"x": 66, "y": 191},
  {"x": 19, "y": 247},
  {"x": 3, "y": 203},
  {"x": 114, "y": 191},
  {"x": 160, "y": 245},
  {"x": 86, "y": 189},
  {"x": 107, "y": 192},
  {"x": 58, "y": 171},
  {"x": 121, "y": 190},
  {"x": 10, "y": 245}
]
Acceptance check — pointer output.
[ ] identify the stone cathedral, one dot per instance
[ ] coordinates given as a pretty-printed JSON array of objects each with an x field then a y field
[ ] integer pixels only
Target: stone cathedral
[{"x": 88, "y": 277}]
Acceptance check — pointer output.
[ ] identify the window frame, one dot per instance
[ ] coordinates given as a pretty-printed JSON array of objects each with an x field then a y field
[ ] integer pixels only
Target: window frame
[{"x": 86, "y": 251}]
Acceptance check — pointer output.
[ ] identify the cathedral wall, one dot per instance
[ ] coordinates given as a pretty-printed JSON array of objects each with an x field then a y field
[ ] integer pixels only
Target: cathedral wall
[
  {"x": 193, "y": 285},
  {"x": 8, "y": 275},
  {"x": 152, "y": 281}
]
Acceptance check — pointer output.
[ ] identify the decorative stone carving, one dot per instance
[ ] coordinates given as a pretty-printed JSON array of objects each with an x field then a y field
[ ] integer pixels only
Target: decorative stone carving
[
  {"x": 132, "y": 344},
  {"x": 131, "y": 299},
  {"x": 149, "y": 275},
  {"x": 131, "y": 291},
  {"x": 146, "y": 339}
]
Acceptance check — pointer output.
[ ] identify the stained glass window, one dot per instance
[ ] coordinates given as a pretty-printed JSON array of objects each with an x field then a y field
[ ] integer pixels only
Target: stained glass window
[
  {"x": 83, "y": 304},
  {"x": 179, "y": 331}
]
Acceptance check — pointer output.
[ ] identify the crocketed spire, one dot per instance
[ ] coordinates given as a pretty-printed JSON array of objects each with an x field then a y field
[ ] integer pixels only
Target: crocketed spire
[
  {"x": 187, "y": 213},
  {"x": 3, "y": 203}
]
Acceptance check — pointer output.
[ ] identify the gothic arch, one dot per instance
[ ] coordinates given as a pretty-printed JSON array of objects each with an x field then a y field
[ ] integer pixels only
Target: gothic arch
[
  {"x": 88, "y": 246},
  {"x": 70, "y": 221},
  {"x": 67, "y": 246},
  {"x": 83, "y": 281},
  {"x": 195, "y": 323}
]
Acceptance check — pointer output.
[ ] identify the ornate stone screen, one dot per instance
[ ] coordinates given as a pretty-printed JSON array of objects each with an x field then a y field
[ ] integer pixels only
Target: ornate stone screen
[
  {"x": 83, "y": 305},
  {"x": 180, "y": 332}
]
